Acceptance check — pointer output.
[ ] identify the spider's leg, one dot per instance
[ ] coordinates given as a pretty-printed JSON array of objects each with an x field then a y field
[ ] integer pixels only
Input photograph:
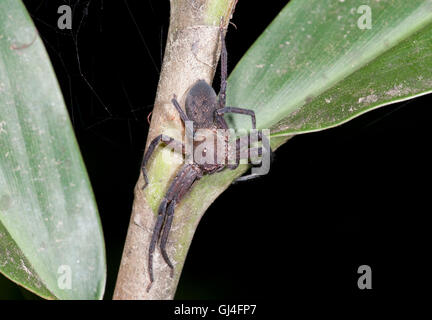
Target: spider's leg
[
  {"x": 265, "y": 149},
  {"x": 180, "y": 186},
  {"x": 165, "y": 233},
  {"x": 248, "y": 112},
  {"x": 250, "y": 176},
  {"x": 224, "y": 75},
  {"x": 241, "y": 144},
  {"x": 155, "y": 237},
  {"x": 254, "y": 151},
  {"x": 246, "y": 177},
  {"x": 182, "y": 114},
  {"x": 224, "y": 70},
  {"x": 160, "y": 138}
]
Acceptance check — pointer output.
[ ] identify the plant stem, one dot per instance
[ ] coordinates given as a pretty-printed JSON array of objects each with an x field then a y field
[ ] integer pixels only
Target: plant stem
[{"x": 191, "y": 53}]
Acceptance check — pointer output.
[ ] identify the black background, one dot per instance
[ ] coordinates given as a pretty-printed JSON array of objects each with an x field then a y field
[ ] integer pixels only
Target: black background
[{"x": 334, "y": 200}]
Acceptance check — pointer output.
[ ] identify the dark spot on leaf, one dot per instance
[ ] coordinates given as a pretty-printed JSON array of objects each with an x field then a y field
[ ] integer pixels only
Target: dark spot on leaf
[
  {"x": 5, "y": 202},
  {"x": 309, "y": 99}
]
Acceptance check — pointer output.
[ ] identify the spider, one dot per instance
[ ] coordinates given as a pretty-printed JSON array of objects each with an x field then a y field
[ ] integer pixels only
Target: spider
[{"x": 206, "y": 112}]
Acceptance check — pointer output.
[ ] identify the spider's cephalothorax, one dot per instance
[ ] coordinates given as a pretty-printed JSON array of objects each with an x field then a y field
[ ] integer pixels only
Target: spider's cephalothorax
[{"x": 205, "y": 111}]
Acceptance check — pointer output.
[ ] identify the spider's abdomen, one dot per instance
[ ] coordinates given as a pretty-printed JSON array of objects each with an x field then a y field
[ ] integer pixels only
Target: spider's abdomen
[{"x": 201, "y": 103}]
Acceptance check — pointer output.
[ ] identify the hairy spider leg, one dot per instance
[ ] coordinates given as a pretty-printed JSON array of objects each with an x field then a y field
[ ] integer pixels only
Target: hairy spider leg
[
  {"x": 224, "y": 69},
  {"x": 183, "y": 115},
  {"x": 155, "y": 237},
  {"x": 250, "y": 151},
  {"x": 242, "y": 143},
  {"x": 251, "y": 113},
  {"x": 165, "y": 233},
  {"x": 224, "y": 74},
  {"x": 160, "y": 138},
  {"x": 178, "y": 188},
  {"x": 264, "y": 149},
  {"x": 223, "y": 109},
  {"x": 165, "y": 139}
]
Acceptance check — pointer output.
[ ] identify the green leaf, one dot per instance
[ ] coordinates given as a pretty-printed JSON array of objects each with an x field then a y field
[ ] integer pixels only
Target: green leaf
[
  {"x": 49, "y": 223},
  {"x": 315, "y": 68}
]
